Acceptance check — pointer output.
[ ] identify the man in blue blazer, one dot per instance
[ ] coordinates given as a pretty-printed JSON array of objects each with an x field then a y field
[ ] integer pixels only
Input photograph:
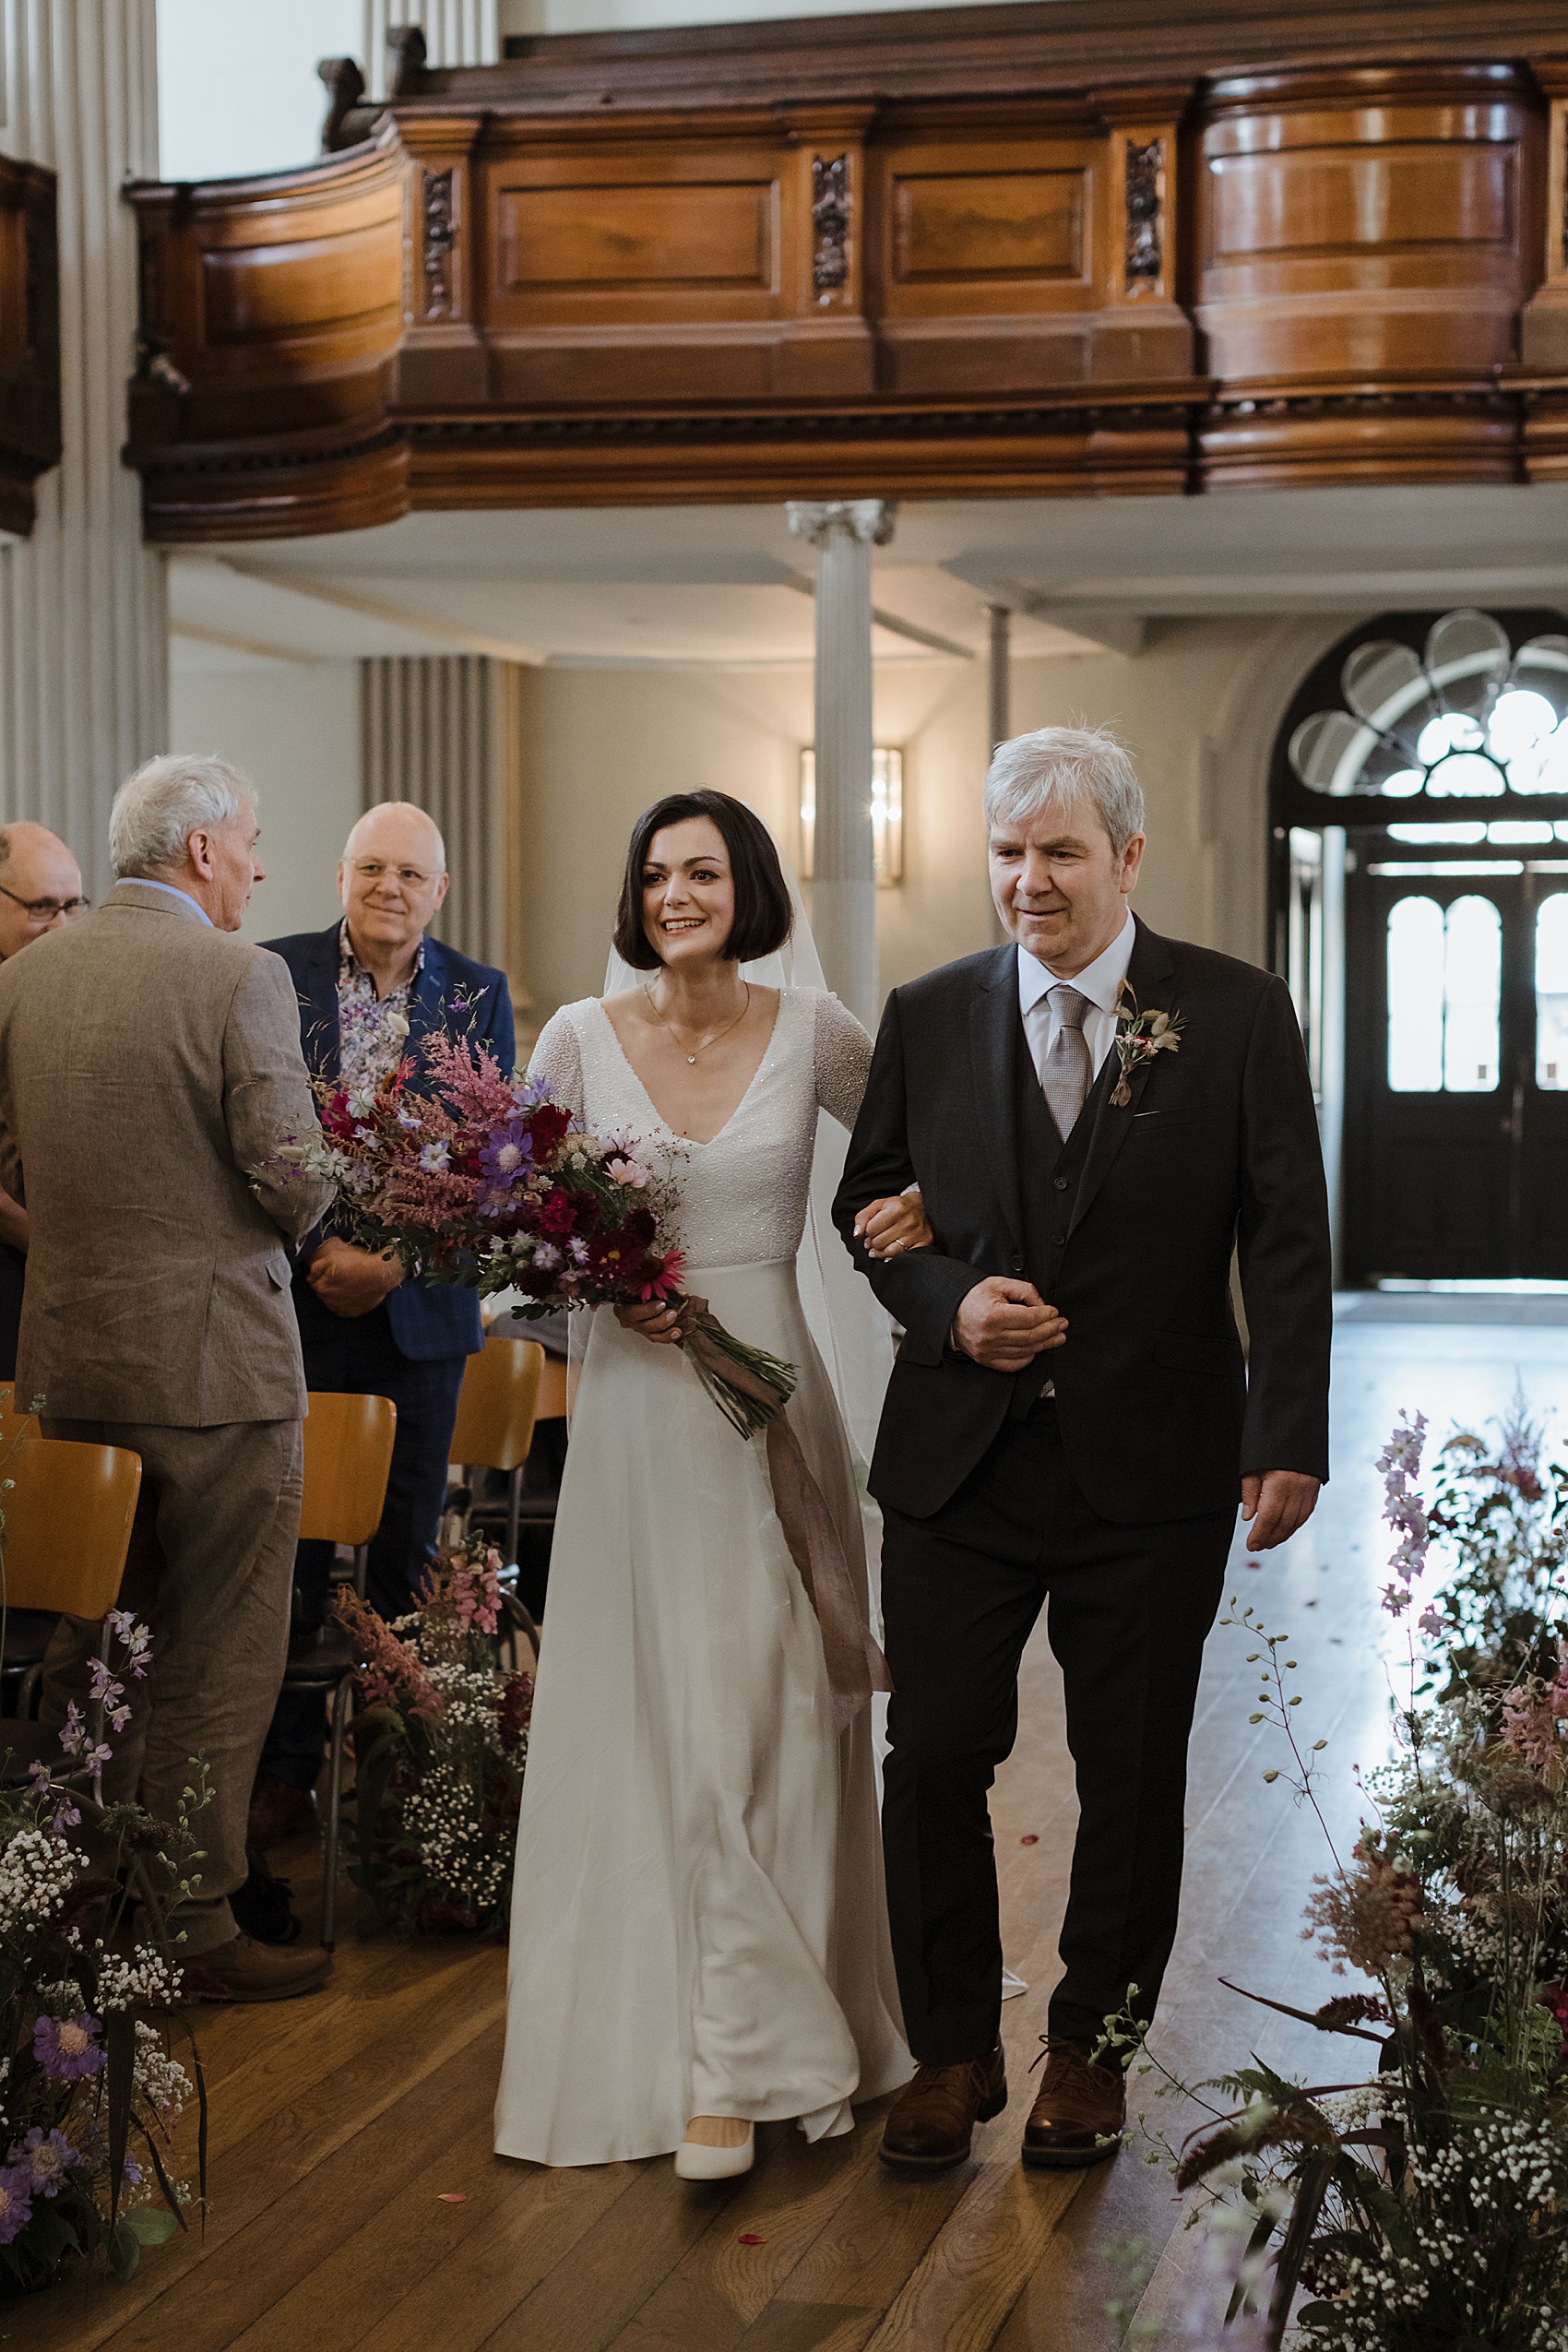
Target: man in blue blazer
[{"x": 373, "y": 988}]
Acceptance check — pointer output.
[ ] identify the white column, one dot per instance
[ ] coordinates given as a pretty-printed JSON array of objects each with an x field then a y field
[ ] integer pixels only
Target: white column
[
  {"x": 84, "y": 636},
  {"x": 457, "y": 32},
  {"x": 844, "y": 531},
  {"x": 434, "y": 731}
]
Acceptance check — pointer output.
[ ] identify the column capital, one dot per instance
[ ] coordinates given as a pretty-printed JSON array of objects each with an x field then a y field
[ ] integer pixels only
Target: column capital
[{"x": 871, "y": 520}]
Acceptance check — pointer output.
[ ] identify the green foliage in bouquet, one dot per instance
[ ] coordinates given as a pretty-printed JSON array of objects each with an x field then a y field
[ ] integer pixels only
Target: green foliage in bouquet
[
  {"x": 90, "y": 2089},
  {"x": 1424, "y": 2207},
  {"x": 440, "y": 1744}
]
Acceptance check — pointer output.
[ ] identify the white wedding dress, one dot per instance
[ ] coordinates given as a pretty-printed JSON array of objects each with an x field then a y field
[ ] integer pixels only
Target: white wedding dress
[{"x": 699, "y": 1922}]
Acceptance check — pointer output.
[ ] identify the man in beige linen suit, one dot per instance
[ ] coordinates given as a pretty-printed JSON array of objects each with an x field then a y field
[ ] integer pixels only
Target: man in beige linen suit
[{"x": 149, "y": 1068}]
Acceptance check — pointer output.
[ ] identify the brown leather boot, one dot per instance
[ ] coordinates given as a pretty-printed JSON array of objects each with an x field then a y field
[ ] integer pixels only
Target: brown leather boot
[
  {"x": 243, "y": 1969},
  {"x": 1078, "y": 2117},
  {"x": 930, "y": 2129}
]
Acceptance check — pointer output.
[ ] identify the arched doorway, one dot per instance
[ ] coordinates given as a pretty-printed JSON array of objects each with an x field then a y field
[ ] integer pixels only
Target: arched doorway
[{"x": 1422, "y": 771}]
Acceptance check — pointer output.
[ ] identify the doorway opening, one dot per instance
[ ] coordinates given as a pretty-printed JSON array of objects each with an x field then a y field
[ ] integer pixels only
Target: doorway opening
[{"x": 1419, "y": 842}]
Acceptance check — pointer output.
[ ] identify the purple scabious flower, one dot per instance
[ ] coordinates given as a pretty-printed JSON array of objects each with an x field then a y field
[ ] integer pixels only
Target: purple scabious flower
[
  {"x": 68, "y": 2048},
  {"x": 15, "y": 2201},
  {"x": 48, "y": 2156},
  {"x": 507, "y": 1153}
]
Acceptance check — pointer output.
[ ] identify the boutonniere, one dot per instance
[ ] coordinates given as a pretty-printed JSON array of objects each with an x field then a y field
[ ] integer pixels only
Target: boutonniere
[{"x": 1139, "y": 1036}]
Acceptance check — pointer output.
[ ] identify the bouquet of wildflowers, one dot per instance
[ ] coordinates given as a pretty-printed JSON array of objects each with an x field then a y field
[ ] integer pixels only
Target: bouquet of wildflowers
[
  {"x": 481, "y": 1180},
  {"x": 1425, "y": 2209},
  {"x": 90, "y": 2093},
  {"x": 440, "y": 1747}
]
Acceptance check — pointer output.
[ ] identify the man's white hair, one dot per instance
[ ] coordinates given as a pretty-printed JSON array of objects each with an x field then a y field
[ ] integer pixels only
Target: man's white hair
[
  {"x": 168, "y": 799},
  {"x": 405, "y": 808},
  {"x": 1057, "y": 766}
]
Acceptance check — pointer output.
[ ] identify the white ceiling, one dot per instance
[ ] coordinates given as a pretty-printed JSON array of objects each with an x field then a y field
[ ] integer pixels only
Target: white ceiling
[{"x": 729, "y": 587}]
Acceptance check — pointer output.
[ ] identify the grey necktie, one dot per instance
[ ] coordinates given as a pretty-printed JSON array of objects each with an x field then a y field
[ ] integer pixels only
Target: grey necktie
[{"x": 1064, "y": 1080}]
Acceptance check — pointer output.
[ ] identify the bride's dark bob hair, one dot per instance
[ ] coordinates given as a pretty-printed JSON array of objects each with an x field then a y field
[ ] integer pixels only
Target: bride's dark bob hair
[{"x": 764, "y": 917}]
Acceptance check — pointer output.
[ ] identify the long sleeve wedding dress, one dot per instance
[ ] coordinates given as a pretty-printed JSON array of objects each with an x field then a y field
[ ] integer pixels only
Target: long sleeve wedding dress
[{"x": 698, "y": 1922}]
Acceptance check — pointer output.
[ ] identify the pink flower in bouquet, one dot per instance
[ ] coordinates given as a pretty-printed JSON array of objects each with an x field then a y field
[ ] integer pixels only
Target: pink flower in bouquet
[{"x": 476, "y": 1592}]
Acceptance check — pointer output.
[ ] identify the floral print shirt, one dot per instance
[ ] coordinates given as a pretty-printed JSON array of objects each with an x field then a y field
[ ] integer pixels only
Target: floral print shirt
[{"x": 371, "y": 1029}]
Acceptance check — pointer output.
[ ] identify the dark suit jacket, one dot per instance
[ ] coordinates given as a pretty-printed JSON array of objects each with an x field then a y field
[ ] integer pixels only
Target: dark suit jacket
[
  {"x": 454, "y": 996},
  {"x": 1219, "y": 1146}
]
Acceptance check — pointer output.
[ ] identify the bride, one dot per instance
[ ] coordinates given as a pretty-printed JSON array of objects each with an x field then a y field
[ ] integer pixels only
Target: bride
[{"x": 699, "y": 1936}]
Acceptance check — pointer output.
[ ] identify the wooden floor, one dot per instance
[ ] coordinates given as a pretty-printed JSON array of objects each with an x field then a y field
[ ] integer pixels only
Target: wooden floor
[{"x": 341, "y": 2124}]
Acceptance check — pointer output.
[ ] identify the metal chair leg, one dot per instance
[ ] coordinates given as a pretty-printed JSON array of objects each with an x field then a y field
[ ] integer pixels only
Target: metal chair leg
[
  {"x": 340, "y": 1698},
  {"x": 361, "y": 1567},
  {"x": 514, "y": 1512}
]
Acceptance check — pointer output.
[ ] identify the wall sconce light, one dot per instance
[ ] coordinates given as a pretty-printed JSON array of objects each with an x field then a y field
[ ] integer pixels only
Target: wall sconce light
[{"x": 886, "y": 814}]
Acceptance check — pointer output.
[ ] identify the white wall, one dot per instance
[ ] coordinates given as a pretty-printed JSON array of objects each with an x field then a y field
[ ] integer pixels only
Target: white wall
[
  {"x": 237, "y": 87},
  {"x": 295, "y": 732}
]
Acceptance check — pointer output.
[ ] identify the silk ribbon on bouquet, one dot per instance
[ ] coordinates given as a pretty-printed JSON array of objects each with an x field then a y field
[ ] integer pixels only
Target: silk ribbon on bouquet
[{"x": 850, "y": 1650}]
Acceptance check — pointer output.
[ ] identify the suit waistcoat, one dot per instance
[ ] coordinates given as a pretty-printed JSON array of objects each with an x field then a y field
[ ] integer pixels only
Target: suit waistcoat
[{"x": 1049, "y": 1172}]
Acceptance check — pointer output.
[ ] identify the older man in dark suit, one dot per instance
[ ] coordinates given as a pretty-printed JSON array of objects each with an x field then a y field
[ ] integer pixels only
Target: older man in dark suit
[
  {"x": 373, "y": 988},
  {"x": 1097, "y": 1118}
]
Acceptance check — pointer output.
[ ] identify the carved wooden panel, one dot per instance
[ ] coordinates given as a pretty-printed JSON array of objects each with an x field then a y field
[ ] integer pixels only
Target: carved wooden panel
[
  {"x": 667, "y": 265},
  {"x": 1368, "y": 221},
  {"x": 29, "y": 339}
]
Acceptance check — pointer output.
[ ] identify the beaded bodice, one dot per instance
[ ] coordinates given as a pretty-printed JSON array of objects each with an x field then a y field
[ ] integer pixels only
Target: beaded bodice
[{"x": 743, "y": 1194}]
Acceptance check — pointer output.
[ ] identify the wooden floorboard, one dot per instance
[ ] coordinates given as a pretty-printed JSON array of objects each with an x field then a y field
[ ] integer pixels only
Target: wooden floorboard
[{"x": 344, "y": 2123}]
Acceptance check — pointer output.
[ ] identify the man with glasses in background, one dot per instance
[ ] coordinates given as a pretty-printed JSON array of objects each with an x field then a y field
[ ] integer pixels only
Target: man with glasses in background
[
  {"x": 40, "y": 887},
  {"x": 373, "y": 988}
]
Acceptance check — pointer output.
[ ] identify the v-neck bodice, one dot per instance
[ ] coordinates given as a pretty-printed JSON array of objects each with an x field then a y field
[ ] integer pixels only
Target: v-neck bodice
[{"x": 742, "y": 1193}]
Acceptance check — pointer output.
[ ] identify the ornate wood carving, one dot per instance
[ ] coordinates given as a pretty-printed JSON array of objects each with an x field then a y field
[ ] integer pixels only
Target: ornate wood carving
[
  {"x": 830, "y": 223},
  {"x": 345, "y": 87},
  {"x": 661, "y": 264},
  {"x": 29, "y": 339}
]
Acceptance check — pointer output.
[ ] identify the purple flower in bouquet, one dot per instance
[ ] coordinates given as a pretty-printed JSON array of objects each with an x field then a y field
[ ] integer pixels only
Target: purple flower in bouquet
[
  {"x": 48, "y": 2156},
  {"x": 509, "y": 1148},
  {"x": 1403, "y": 1509},
  {"x": 15, "y": 2201},
  {"x": 68, "y": 2048}
]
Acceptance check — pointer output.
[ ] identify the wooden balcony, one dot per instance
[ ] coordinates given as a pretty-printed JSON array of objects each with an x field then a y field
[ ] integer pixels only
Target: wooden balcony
[
  {"x": 29, "y": 339},
  {"x": 988, "y": 250}
]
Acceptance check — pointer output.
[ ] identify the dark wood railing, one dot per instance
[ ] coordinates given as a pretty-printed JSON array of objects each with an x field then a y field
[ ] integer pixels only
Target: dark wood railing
[
  {"x": 996, "y": 250},
  {"x": 29, "y": 339}
]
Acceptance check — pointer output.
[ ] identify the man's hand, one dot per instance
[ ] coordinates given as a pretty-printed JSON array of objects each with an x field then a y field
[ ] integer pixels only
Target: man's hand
[
  {"x": 1277, "y": 1503},
  {"x": 1004, "y": 1324},
  {"x": 351, "y": 1282}
]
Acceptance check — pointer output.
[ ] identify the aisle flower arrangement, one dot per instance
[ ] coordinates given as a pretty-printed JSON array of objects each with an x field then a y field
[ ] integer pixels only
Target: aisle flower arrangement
[
  {"x": 1418, "y": 2201},
  {"x": 440, "y": 1746},
  {"x": 89, "y": 2090}
]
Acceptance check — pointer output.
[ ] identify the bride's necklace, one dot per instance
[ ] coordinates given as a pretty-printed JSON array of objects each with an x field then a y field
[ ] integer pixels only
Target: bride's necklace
[{"x": 702, "y": 1044}]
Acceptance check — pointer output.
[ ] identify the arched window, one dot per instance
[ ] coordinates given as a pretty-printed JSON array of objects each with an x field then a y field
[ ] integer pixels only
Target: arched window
[{"x": 1446, "y": 995}]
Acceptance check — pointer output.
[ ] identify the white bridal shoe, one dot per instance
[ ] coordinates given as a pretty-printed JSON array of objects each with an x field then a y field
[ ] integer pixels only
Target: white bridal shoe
[{"x": 696, "y": 2160}]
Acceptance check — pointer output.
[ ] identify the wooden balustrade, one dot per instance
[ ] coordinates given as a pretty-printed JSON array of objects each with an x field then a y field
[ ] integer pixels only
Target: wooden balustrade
[
  {"x": 950, "y": 253},
  {"x": 29, "y": 339}
]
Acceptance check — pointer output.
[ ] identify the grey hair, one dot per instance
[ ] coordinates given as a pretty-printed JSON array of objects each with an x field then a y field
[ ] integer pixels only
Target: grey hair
[
  {"x": 1056, "y": 766},
  {"x": 168, "y": 799}
]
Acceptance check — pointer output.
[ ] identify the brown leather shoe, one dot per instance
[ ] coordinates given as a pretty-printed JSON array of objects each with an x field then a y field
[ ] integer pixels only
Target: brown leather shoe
[
  {"x": 243, "y": 1969},
  {"x": 930, "y": 2129},
  {"x": 1080, "y": 2113},
  {"x": 277, "y": 1810}
]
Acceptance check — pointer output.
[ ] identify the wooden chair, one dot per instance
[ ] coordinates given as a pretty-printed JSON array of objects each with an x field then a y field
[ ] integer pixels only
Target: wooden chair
[
  {"x": 26, "y": 1632},
  {"x": 496, "y": 1410},
  {"x": 348, "y": 1454},
  {"x": 67, "y": 1527}
]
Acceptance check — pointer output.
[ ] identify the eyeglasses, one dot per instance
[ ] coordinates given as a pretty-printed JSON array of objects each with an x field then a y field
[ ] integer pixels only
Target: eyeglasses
[
  {"x": 373, "y": 870},
  {"x": 44, "y": 910}
]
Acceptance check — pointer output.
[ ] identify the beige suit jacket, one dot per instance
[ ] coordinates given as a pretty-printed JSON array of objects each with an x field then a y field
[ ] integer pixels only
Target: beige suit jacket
[{"x": 149, "y": 1068}]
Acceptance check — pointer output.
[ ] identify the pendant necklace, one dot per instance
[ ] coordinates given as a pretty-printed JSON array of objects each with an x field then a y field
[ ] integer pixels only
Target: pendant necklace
[{"x": 706, "y": 1041}]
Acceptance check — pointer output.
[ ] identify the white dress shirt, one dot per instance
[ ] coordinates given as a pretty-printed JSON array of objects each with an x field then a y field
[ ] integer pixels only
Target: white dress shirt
[
  {"x": 145, "y": 882},
  {"x": 1099, "y": 981}
]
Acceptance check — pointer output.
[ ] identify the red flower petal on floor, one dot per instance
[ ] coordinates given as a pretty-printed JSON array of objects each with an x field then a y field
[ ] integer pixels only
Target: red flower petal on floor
[
  {"x": 750, "y": 2237},
  {"x": 1029, "y": 1840},
  {"x": 452, "y": 2197}
]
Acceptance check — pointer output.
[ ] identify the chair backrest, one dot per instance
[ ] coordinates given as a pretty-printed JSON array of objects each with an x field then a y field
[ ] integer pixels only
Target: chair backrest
[
  {"x": 498, "y": 1403},
  {"x": 12, "y": 1423},
  {"x": 552, "y": 1406},
  {"x": 348, "y": 1454},
  {"x": 68, "y": 1516}
]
